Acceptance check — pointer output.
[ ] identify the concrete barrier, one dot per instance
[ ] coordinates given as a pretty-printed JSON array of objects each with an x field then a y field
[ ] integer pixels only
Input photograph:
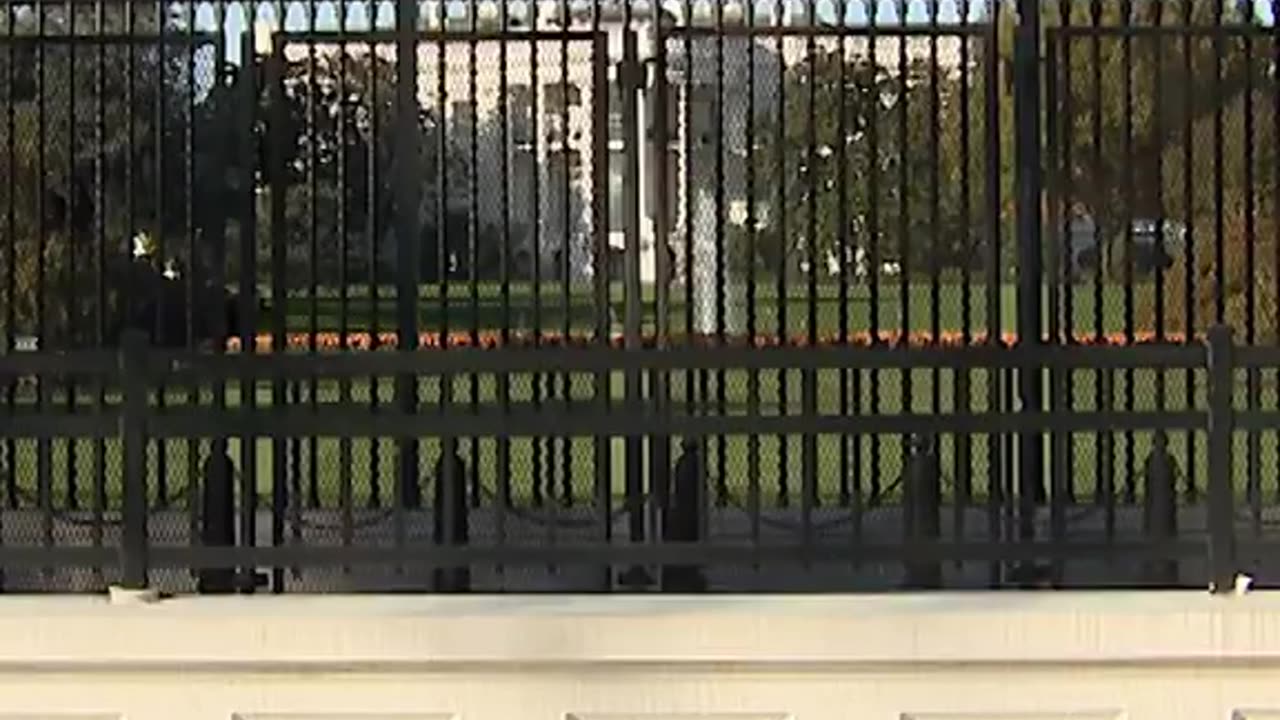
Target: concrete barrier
[{"x": 979, "y": 656}]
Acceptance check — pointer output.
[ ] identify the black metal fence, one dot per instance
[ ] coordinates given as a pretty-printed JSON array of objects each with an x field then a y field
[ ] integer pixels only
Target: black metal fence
[
  {"x": 576, "y": 223},
  {"x": 923, "y": 532}
]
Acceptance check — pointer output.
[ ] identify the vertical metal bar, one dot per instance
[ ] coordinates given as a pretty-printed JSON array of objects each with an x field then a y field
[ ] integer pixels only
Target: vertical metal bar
[
  {"x": 98, "y": 503},
  {"x": 1188, "y": 250},
  {"x": 721, "y": 259},
  {"x": 283, "y": 493},
  {"x": 631, "y": 79},
  {"x": 503, "y": 444},
  {"x": 445, "y": 479},
  {"x": 44, "y": 456},
  {"x": 344, "y": 140},
  {"x": 660, "y": 449},
  {"x": 1219, "y": 201},
  {"x": 1221, "y": 462},
  {"x": 935, "y": 198},
  {"x": 600, "y": 214},
  {"x": 220, "y": 332},
  {"x": 9, "y": 446},
  {"x": 1027, "y": 144},
  {"x": 906, "y": 268},
  {"x": 407, "y": 234},
  {"x": 962, "y": 459},
  {"x": 687, "y": 181},
  {"x": 162, "y": 249},
  {"x": 1157, "y": 77},
  {"x": 555, "y": 382},
  {"x": 250, "y": 159},
  {"x": 1104, "y": 462},
  {"x": 473, "y": 233},
  {"x": 1253, "y": 389},
  {"x": 133, "y": 439},
  {"x": 287, "y": 494},
  {"x": 215, "y": 325},
  {"x": 1219, "y": 239},
  {"x": 443, "y": 260},
  {"x": 935, "y": 262},
  {"x": 693, "y": 170},
  {"x": 752, "y": 240},
  {"x": 8, "y": 460},
  {"x": 539, "y": 149},
  {"x": 873, "y": 254},
  {"x": 1064, "y": 397},
  {"x": 313, "y": 266},
  {"x": 843, "y": 246},
  {"x": 780, "y": 282},
  {"x": 375, "y": 181},
  {"x": 1128, "y": 200},
  {"x": 809, "y": 378},
  {"x": 70, "y": 228},
  {"x": 991, "y": 151},
  {"x": 563, "y": 446},
  {"x": 1055, "y": 123}
]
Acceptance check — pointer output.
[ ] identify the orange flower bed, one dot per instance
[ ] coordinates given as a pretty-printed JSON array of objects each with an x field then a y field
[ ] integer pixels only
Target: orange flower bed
[{"x": 332, "y": 341}]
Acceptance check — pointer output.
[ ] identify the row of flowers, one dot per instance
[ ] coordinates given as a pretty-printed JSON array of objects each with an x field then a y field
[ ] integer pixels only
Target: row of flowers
[{"x": 330, "y": 341}]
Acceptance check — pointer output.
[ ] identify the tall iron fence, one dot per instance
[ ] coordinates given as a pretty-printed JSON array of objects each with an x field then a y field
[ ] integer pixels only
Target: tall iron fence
[{"x": 313, "y": 180}]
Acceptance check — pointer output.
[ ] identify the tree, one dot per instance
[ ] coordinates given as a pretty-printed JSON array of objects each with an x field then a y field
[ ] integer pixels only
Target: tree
[
  {"x": 338, "y": 117},
  {"x": 894, "y": 132},
  {"x": 96, "y": 153},
  {"x": 1137, "y": 126}
]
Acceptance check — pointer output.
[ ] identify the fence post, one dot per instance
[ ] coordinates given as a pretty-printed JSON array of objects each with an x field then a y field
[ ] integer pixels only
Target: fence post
[
  {"x": 1222, "y": 549},
  {"x": 133, "y": 542},
  {"x": 682, "y": 521},
  {"x": 922, "y": 500}
]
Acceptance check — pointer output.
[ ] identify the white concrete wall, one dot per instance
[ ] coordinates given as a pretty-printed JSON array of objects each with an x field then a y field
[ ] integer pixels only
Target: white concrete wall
[{"x": 1127, "y": 656}]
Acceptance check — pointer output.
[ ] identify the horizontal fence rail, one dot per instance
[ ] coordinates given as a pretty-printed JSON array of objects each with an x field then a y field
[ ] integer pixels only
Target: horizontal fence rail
[{"x": 685, "y": 545}]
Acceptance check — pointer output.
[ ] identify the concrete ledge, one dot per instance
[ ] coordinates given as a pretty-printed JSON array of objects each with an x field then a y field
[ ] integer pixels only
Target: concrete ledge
[
  {"x": 1041, "y": 656},
  {"x": 421, "y": 632}
]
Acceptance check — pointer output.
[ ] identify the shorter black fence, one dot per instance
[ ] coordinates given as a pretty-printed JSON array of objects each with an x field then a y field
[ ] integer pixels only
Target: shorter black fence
[{"x": 668, "y": 527}]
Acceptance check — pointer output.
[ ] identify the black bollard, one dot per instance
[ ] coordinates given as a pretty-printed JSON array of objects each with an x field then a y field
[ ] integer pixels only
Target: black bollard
[
  {"x": 411, "y": 492},
  {"x": 217, "y": 528},
  {"x": 922, "y": 510},
  {"x": 451, "y": 512},
  {"x": 682, "y": 517},
  {"x": 1160, "y": 509}
]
